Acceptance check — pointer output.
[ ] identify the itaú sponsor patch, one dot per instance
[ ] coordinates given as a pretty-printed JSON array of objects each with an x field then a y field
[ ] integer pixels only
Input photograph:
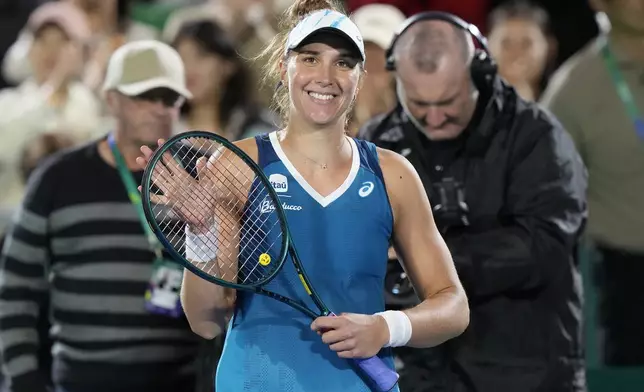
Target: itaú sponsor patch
[{"x": 279, "y": 182}]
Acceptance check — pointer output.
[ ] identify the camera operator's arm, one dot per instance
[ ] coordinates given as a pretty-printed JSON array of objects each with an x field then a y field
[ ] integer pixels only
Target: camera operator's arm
[{"x": 544, "y": 210}]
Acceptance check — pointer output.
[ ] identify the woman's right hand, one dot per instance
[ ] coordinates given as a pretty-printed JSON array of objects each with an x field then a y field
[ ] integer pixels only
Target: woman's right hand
[{"x": 193, "y": 199}]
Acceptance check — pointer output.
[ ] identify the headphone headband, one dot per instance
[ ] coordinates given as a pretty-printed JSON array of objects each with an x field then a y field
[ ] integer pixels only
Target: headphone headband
[
  {"x": 483, "y": 66},
  {"x": 439, "y": 16}
]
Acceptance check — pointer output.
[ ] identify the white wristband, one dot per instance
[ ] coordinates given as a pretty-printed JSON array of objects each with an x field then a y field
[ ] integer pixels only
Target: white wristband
[
  {"x": 201, "y": 248},
  {"x": 399, "y": 327}
]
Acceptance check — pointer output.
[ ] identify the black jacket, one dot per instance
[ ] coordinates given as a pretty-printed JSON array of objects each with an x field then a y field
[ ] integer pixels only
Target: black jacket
[{"x": 524, "y": 187}]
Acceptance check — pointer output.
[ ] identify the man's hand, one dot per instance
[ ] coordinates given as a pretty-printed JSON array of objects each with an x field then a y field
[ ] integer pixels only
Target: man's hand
[{"x": 353, "y": 335}]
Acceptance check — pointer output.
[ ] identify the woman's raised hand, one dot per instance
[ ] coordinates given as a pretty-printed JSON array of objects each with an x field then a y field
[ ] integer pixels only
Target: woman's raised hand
[{"x": 193, "y": 199}]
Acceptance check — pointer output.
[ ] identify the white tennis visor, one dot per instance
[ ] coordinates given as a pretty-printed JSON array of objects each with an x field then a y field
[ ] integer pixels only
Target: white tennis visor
[{"x": 325, "y": 20}]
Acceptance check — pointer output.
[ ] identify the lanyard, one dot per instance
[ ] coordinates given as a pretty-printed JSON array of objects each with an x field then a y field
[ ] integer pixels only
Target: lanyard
[
  {"x": 133, "y": 194},
  {"x": 623, "y": 91}
]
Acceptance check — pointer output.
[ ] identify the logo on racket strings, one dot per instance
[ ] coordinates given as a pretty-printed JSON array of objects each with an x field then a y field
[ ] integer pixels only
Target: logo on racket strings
[
  {"x": 268, "y": 206},
  {"x": 264, "y": 259}
]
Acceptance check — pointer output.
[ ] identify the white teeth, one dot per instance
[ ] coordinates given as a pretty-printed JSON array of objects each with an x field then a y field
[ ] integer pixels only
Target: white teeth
[{"x": 324, "y": 97}]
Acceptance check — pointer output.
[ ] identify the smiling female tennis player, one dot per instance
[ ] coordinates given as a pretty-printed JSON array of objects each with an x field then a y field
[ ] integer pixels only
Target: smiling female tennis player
[{"x": 344, "y": 200}]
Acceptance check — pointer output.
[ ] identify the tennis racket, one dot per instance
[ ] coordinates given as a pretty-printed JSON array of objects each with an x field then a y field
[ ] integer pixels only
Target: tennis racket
[{"x": 201, "y": 181}]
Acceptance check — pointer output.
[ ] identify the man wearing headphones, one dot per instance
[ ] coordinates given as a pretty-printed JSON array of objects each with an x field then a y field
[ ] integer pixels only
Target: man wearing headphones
[{"x": 507, "y": 189}]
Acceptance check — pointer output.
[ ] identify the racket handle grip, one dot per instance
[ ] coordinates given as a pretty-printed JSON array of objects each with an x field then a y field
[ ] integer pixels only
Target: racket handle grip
[{"x": 382, "y": 375}]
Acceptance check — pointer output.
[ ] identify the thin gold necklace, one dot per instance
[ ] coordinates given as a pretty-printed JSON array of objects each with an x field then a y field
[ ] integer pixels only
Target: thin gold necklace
[{"x": 324, "y": 166}]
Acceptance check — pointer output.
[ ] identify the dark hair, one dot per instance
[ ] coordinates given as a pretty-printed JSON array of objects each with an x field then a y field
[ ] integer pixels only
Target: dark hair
[
  {"x": 521, "y": 9},
  {"x": 273, "y": 54},
  {"x": 237, "y": 90}
]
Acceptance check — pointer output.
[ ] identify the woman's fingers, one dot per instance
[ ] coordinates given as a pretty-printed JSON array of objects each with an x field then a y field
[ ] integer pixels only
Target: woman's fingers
[
  {"x": 174, "y": 167},
  {"x": 147, "y": 152},
  {"x": 142, "y": 162},
  {"x": 167, "y": 183}
]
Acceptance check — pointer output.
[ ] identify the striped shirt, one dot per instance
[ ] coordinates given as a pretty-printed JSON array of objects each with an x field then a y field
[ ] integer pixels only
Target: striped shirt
[{"x": 78, "y": 241}]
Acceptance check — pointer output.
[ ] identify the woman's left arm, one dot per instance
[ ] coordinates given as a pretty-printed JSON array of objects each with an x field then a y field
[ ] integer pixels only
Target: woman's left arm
[{"x": 444, "y": 311}]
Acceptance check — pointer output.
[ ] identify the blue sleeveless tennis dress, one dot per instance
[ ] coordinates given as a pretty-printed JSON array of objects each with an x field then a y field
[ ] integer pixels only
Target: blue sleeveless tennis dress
[{"x": 342, "y": 240}]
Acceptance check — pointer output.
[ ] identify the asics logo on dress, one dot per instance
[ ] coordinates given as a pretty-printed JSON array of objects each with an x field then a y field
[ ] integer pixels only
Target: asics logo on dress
[{"x": 366, "y": 189}]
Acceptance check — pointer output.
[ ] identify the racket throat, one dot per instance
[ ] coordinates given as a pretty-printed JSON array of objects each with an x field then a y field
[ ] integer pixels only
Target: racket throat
[{"x": 306, "y": 286}]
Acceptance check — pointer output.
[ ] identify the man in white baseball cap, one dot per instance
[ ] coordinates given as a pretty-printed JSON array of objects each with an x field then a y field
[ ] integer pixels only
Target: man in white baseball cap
[
  {"x": 145, "y": 86},
  {"x": 377, "y": 23},
  {"x": 140, "y": 66}
]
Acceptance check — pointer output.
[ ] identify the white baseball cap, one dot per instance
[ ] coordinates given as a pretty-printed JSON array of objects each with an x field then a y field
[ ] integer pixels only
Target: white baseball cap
[
  {"x": 140, "y": 66},
  {"x": 325, "y": 19},
  {"x": 378, "y": 23}
]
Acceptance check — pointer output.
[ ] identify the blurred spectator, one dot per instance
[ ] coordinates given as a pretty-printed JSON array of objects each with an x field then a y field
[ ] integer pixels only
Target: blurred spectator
[
  {"x": 110, "y": 26},
  {"x": 80, "y": 238},
  {"x": 520, "y": 41},
  {"x": 250, "y": 23},
  {"x": 52, "y": 99},
  {"x": 599, "y": 96},
  {"x": 508, "y": 194},
  {"x": 571, "y": 22},
  {"x": 378, "y": 24},
  {"x": 223, "y": 93},
  {"x": 35, "y": 153}
]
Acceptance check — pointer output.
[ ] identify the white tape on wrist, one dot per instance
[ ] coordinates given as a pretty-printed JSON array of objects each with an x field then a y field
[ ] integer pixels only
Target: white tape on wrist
[
  {"x": 200, "y": 248},
  {"x": 399, "y": 327}
]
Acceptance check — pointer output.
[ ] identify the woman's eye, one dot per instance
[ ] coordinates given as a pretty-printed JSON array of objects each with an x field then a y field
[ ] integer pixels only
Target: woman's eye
[{"x": 346, "y": 64}]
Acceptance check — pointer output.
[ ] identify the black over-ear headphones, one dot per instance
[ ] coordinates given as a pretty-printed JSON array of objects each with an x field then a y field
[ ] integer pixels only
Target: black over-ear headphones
[{"x": 483, "y": 67}]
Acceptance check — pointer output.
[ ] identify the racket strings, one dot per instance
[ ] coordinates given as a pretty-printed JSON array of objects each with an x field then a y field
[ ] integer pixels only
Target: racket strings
[
  {"x": 240, "y": 233},
  {"x": 253, "y": 233}
]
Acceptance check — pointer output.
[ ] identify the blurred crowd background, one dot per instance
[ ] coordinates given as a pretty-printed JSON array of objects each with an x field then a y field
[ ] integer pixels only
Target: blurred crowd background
[{"x": 54, "y": 56}]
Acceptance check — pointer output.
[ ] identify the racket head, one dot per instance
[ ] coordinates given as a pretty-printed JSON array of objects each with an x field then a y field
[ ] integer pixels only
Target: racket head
[{"x": 246, "y": 209}]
